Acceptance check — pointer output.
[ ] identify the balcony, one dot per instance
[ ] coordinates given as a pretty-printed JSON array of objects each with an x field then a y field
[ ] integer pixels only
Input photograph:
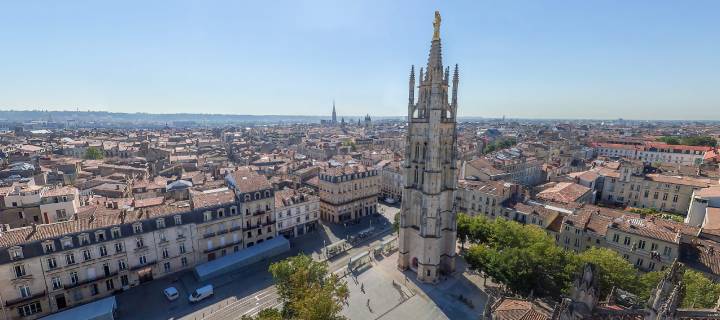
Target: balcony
[
  {"x": 140, "y": 266},
  {"x": 144, "y": 247},
  {"x": 260, "y": 212},
  {"x": 208, "y": 235},
  {"x": 89, "y": 281},
  {"x": 14, "y": 302}
]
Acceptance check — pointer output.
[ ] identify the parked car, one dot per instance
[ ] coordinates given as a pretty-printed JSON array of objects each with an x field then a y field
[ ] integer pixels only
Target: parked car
[
  {"x": 201, "y": 293},
  {"x": 171, "y": 293}
]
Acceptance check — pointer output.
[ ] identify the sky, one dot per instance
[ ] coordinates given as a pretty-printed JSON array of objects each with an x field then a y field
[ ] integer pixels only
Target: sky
[{"x": 640, "y": 59}]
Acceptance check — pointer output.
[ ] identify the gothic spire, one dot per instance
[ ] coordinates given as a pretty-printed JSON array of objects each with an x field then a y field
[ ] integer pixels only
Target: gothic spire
[{"x": 435, "y": 67}]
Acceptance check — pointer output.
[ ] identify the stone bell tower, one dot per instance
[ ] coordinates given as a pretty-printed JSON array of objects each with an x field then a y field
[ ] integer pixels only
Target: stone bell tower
[{"x": 428, "y": 216}]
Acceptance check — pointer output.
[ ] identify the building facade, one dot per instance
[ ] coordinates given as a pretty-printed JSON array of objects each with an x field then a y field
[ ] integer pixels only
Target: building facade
[
  {"x": 348, "y": 193},
  {"x": 297, "y": 212},
  {"x": 428, "y": 227}
]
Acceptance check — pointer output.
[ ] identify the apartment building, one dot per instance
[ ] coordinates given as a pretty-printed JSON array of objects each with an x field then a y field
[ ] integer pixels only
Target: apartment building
[
  {"x": 654, "y": 152},
  {"x": 348, "y": 192},
  {"x": 50, "y": 267},
  {"x": 649, "y": 244},
  {"x": 297, "y": 212},
  {"x": 222, "y": 229},
  {"x": 391, "y": 186},
  {"x": 32, "y": 204},
  {"x": 256, "y": 198},
  {"x": 484, "y": 197},
  {"x": 630, "y": 186}
]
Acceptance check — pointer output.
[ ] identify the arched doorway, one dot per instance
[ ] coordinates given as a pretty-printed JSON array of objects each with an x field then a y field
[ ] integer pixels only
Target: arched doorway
[{"x": 414, "y": 263}]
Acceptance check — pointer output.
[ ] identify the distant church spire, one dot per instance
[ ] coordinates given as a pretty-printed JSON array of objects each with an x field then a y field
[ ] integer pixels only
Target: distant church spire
[{"x": 334, "y": 114}]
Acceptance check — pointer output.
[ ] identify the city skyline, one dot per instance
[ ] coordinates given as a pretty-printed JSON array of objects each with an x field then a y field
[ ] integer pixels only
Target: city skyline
[{"x": 640, "y": 60}]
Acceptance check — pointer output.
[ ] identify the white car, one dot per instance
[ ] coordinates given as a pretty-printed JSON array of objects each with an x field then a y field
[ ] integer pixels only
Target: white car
[{"x": 171, "y": 293}]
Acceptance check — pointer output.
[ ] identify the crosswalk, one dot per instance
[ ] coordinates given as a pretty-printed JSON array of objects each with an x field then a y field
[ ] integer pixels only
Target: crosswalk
[{"x": 250, "y": 306}]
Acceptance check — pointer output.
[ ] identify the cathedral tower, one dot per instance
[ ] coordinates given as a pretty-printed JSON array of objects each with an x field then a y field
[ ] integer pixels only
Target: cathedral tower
[{"x": 428, "y": 216}]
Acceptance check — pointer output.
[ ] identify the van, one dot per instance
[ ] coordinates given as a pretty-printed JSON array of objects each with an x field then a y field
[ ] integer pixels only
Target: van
[{"x": 201, "y": 293}]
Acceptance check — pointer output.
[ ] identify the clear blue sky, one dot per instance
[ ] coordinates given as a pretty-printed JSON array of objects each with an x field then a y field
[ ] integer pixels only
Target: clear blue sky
[{"x": 591, "y": 59}]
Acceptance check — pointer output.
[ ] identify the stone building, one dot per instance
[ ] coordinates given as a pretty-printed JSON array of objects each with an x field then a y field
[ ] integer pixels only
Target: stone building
[
  {"x": 348, "y": 192},
  {"x": 297, "y": 212},
  {"x": 428, "y": 227},
  {"x": 256, "y": 197}
]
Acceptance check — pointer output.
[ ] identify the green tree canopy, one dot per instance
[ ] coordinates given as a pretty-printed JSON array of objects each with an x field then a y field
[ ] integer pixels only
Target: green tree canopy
[
  {"x": 308, "y": 290},
  {"x": 94, "y": 153},
  {"x": 689, "y": 140}
]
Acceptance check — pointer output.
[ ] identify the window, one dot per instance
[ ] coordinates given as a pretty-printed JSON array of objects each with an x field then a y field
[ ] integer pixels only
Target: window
[
  {"x": 166, "y": 266},
  {"x": 675, "y": 198},
  {"x": 178, "y": 219},
  {"x": 67, "y": 242},
  {"x": 100, "y": 235},
  {"x": 52, "y": 263},
  {"x": 124, "y": 280},
  {"x": 137, "y": 228},
  {"x": 639, "y": 262},
  {"x": 103, "y": 251},
  {"x": 655, "y": 195},
  {"x": 49, "y": 247},
  {"x": 56, "y": 283},
  {"x": 30, "y": 309},
  {"x": 616, "y": 237},
  {"x": 161, "y": 235},
  {"x": 165, "y": 253},
  {"x": 160, "y": 223},
  {"x": 109, "y": 284},
  {"x": 19, "y": 271},
  {"x": 651, "y": 265},
  {"x": 70, "y": 258},
  {"x": 181, "y": 247},
  {"x": 84, "y": 239},
  {"x": 143, "y": 260},
  {"x": 641, "y": 244},
  {"x": 666, "y": 251},
  {"x": 220, "y": 213},
  {"x": 74, "y": 277},
  {"x": 122, "y": 265},
  {"x": 25, "y": 291},
  {"x": 16, "y": 253},
  {"x": 653, "y": 246},
  {"x": 184, "y": 261},
  {"x": 626, "y": 241},
  {"x": 207, "y": 216},
  {"x": 665, "y": 196},
  {"x": 86, "y": 255},
  {"x": 115, "y": 232},
  {"x": 94, "y": 289},
  {"x": 139, "y": 243},
  {"x": 118, "y": 247}
]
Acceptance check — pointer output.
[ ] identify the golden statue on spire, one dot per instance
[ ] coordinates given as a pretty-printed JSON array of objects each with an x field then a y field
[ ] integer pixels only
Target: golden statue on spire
[{"x": 436, "y": 26}]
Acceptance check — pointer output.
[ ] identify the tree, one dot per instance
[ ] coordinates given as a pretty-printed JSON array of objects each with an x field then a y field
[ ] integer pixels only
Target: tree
[
  {"x": 265, "y": 314},
  {"x": 307, "y": 290},
  {"x": 524, "y": 258},
  {"x": 700, "y": 292},
  {"x": 613, "y": 270},
  {"x": 648, "y": 282},
  {"x": 93, "y": 153}
]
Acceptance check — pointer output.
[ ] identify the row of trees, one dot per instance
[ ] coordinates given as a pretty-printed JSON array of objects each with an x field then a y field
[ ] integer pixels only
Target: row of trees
[
  {"x": 307, "y": 290},
  {"x": 526, "y": 260},
  {"x": 690, "y": 140}
]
